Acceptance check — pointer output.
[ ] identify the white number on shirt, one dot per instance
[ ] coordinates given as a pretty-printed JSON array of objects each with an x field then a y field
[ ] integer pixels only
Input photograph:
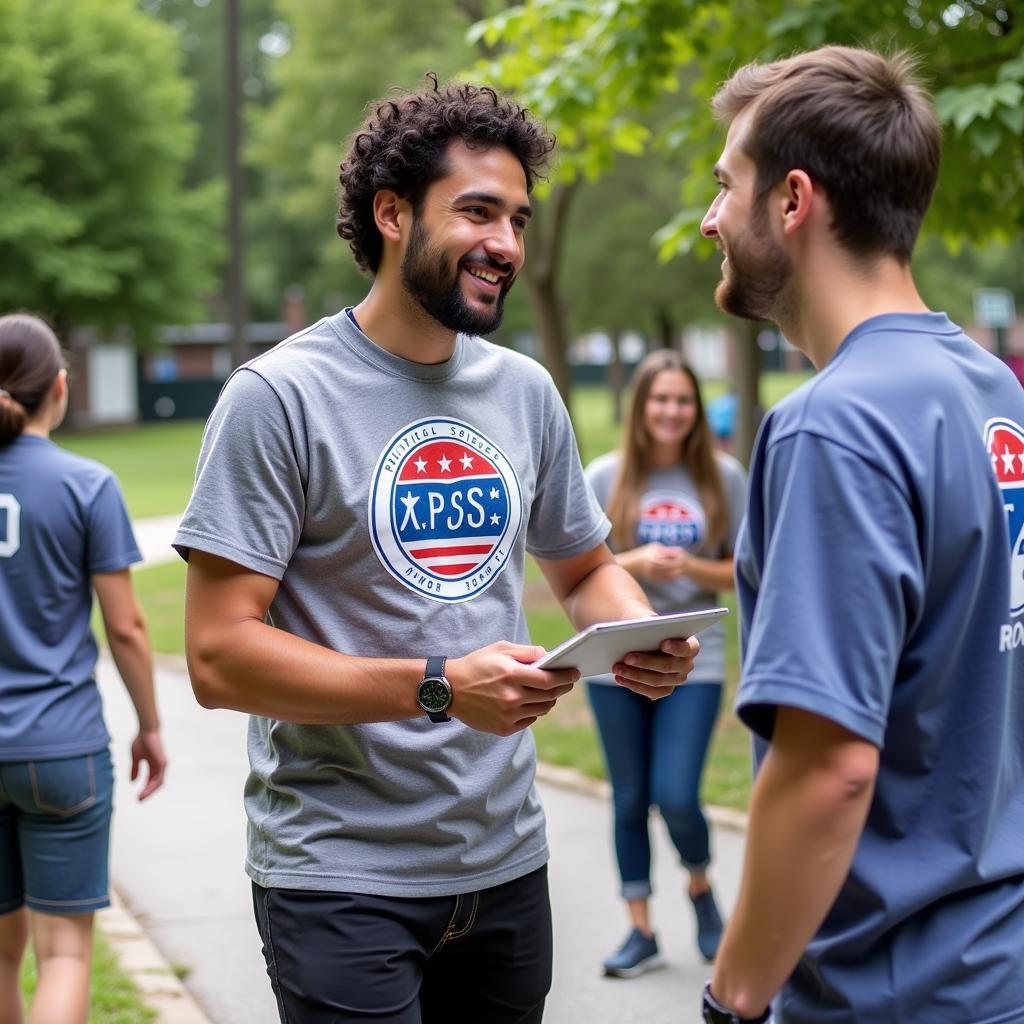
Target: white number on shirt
[{"x": 10, "y": 539}]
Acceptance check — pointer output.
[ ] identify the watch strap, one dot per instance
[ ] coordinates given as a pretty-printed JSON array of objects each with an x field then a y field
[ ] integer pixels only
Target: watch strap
[
  {"x": 435, "y": 670},
  {"x": 715, "y": 1013}
]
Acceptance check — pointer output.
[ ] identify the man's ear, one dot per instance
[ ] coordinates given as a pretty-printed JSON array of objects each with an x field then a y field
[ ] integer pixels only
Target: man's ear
[
  {"x": 389, "y": 211},
  {"x": 796, "y": 199}
]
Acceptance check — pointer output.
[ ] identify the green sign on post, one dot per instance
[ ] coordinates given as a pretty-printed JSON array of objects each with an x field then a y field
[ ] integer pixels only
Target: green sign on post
[{"x": 994, "y": 308}]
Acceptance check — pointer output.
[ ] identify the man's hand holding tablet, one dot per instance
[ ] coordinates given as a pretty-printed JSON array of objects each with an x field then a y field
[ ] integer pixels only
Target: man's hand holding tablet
[{"x": 650, "y": 656}]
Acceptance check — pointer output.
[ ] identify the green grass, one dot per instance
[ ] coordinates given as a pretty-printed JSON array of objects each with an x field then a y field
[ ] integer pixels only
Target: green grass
[
  {"x": 155, "y": 463},
  {"x": 115, "y": 998},
  {"x": 161, "y": 592}
]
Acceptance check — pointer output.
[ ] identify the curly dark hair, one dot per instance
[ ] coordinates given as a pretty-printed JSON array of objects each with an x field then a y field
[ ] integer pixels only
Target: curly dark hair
[{"x": 401, "y": 146}]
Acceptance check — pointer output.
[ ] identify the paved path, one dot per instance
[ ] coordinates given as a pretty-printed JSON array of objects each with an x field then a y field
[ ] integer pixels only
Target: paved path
[
  {"x": 177, "y": 862},
  {"x": 154, "y": 538}
]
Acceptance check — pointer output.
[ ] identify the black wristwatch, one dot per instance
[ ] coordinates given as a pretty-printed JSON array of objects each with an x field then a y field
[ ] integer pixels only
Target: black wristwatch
[
  {"x": 715, "y": 1013},
  {"x": 435, "y": 692}
]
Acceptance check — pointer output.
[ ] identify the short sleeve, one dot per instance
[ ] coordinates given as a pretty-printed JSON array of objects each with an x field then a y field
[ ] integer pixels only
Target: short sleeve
[
  {"x": 565, "y": 519},
  {"x": 248, "y": 503},
  {"x": 841, "y": 578},
  {"x": 110, "y": 541}
]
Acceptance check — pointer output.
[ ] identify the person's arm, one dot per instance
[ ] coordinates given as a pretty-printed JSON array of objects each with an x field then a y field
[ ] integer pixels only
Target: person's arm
[
  {"x": 237, "y": 661},
  {"x": 709, "y": 573},
  {"x": 808, "y": 809},
  {"x": 129, "y": 647},
  {"x": 593, "y": 587}
]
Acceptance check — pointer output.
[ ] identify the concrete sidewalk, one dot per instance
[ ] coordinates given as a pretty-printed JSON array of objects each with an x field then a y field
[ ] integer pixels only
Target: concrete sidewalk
[{"x": 177, "y": 863}]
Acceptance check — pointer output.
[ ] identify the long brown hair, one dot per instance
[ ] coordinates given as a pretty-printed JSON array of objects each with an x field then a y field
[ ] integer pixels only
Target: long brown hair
[
  {"x": 696, "y": 453},
  {"x": 30, "y": 359}
]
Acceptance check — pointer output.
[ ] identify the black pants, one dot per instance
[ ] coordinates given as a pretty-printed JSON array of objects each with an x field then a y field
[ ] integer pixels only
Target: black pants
[{"x": 480, "y": 958}]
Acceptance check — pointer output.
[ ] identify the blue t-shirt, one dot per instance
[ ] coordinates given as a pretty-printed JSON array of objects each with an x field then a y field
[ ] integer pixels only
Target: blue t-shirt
[
  {"x": 62, "y": 519},
  {"x": 880, "y": 588}
]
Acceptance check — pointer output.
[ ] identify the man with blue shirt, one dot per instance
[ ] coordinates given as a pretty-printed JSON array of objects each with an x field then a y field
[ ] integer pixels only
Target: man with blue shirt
[{"x": 882, "y": 595}]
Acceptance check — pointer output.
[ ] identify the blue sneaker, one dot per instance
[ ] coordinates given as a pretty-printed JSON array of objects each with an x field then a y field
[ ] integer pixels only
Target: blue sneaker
[
  {"x": 709, "y": 924},
  {"x": 635, "y": 956}
]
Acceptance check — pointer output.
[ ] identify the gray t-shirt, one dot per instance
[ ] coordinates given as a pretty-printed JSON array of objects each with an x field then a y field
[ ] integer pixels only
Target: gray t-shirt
[
  {"x": 672, "y": 513},
  {"x": 395, "y": 502}
]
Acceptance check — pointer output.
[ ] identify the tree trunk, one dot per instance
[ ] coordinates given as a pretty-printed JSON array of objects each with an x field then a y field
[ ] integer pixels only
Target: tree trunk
[
  {"x": 666, "y": 329},
  {"x": 238, "y": 307},
  {"x": 540, "y": 273},
  {"x": 616, "y": 374},
  {"x": 748, "y": 382}
]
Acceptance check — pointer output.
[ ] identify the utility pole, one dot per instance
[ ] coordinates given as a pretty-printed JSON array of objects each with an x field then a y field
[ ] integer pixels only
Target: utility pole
[{"x": 238, "y": 312}]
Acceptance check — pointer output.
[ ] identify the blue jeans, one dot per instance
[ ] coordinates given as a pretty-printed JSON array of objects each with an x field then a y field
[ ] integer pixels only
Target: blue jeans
[{"x": 655, "y": 754}]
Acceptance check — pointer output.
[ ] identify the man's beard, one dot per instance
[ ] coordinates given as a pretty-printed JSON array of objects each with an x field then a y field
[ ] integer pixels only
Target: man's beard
[
  {"x": 428, "y": 279},
  {"x": 755, "y": 281}
]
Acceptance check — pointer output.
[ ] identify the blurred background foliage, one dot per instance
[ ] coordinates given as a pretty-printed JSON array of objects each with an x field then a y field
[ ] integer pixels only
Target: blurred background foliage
[{"x": 112, "y": 148}]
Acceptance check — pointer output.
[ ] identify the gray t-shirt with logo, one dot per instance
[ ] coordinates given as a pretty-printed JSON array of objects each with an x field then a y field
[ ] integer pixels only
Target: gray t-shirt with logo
[
  {"x": 672, "y": 513},
  {"x": 394, "y": 502}
]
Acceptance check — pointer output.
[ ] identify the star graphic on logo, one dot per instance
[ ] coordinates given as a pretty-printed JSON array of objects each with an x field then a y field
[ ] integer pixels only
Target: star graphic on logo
[
  {"x": 445, "y": 464},
  {"x": 495, "y": 519},
  {"x": 1008, "y": 458},
  {"x": 467, "y": 461},
  {"x": 494, "y": 492},
  {"x": 420, "y": 465}
]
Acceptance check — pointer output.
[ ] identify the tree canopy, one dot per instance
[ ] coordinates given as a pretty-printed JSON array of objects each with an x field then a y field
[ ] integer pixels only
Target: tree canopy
[
  {"x": 96, "y": 225},
  {"x": 339, "y": 60},
  {"x": 591, "y": 68}
]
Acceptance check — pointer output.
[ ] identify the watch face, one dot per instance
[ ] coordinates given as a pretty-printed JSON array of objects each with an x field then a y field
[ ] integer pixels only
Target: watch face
[{"x": 435, "y": 695}]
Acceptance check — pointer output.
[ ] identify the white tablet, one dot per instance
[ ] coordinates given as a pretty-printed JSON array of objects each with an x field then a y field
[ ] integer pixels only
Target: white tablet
[{"x": 595, "y": 649}]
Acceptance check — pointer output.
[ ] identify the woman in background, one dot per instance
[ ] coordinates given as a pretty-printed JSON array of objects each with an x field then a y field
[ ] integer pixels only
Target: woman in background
[
  {"x": 64, "y": 533},
  {"x": 675, "y": 504}
]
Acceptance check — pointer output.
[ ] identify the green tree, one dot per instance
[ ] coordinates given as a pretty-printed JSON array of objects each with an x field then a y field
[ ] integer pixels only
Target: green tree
[
  {"x": 201, "y": 28},
  {"x": 96, "y": 225},
  {"x": 593, "y": 70},
  {"x": 336, "y": 64}
]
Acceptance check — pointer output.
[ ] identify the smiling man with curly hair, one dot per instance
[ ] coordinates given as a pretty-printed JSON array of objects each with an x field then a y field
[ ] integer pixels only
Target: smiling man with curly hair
[{"x": 366, "y": 496}]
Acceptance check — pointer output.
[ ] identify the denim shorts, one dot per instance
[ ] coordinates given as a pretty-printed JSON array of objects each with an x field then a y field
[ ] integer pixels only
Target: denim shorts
[{"x": 55, "y": 833}]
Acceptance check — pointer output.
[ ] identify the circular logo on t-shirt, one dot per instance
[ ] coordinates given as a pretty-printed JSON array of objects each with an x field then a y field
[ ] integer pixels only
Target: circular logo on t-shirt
[
  {"x": 671, "y": 520},
  {"x": 445, "y": 509},
  {"x": 1004, "y": 440}
]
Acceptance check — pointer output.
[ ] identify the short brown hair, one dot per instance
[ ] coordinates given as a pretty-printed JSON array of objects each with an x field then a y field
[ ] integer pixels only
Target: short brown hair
[
  {"x": 30, "y": 359},
  {"x": 403, "y": 142},
  {"x": 859, "y": 123}
]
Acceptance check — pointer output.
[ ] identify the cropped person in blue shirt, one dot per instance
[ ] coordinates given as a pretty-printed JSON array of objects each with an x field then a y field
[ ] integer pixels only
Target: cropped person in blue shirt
[
  {"x": 64, "y": 533},
  {"x": 880, "y": 576}
]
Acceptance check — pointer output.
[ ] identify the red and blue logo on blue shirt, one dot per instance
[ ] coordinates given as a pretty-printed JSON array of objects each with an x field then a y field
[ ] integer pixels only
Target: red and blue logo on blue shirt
[
  {"x": 1004, "y": 441},
  {"x": 445, "y": 509},
  {"x": 670, "y": 520}
]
